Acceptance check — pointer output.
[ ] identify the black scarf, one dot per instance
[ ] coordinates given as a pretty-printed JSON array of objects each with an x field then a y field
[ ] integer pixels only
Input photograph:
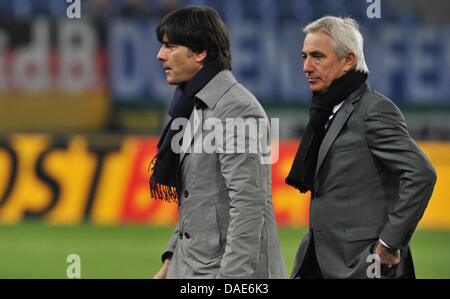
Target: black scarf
[
  {"x": 303, "y": 169},
  {"x": 164, "y": 181}
]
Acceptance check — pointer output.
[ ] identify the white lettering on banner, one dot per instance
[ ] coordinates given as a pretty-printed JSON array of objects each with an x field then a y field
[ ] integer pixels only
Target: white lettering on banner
[
  {"x": 77, "y": 45},
  {"x": 267, "y": 62},
  {"x": 31, "y": 65},
  {"x": 32, "y": 68},
  {"x": 135, "y": 71},
  {"x": 392, "y": 65},
  {"x": 425, "y": 71},
  {"x": 265, "y": 59},
  {"x": 414, "y": 65},
  {"x": 128, "y": 77},
  {"x": 247, "y": 51}
]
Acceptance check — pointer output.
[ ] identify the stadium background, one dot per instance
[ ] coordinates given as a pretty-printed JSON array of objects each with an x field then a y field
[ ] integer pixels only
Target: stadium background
[{"x": 82, "y": 102}]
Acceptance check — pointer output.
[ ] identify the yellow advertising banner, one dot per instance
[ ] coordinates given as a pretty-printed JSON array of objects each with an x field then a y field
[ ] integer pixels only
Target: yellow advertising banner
[{"x": 103, "y": 179}]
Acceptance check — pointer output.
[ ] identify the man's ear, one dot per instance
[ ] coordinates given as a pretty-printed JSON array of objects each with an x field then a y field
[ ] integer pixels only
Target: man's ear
[
  {"x": 349, "y": 61},
  {"x": 201, "y": 56}
]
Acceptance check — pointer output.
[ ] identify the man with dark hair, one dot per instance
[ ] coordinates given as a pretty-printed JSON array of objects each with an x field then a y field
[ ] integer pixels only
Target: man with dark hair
[
  {"x": 369, "y": 181},
  {"x": 226, "y": 225}
]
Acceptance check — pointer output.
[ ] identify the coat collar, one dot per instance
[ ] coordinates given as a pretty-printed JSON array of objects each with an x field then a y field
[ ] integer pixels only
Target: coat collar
[
  {"x": 216, "y": 88},
  {"x": 210, "y": 96}
]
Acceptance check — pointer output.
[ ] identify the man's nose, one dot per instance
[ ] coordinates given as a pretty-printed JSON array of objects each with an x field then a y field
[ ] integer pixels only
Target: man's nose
[
  {"x": 308, "y": 66},
  {"x": 161, "y": 54}
]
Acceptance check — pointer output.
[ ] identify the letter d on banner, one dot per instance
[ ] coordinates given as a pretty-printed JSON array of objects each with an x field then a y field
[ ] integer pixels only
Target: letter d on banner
[
  {"x": 74, "y": 269},
  {"x": 74, "y": 9}
]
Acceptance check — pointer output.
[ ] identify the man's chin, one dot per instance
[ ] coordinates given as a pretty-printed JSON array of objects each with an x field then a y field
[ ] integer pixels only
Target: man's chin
[
  {"x": 172, "y": 82},
  {"x": 317, "y": 90}
]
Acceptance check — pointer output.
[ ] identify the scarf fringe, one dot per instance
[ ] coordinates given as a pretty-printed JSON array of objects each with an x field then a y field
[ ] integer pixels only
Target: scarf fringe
[
  {"x": 297, "y": 185},
  {"x": 162, "y": 192},
  {"x": 164, "y": 181}
]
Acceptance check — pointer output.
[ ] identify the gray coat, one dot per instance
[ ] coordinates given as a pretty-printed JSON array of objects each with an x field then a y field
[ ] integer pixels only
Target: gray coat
[
  {"x": 226, "y": 226},
  {"x": 372, "y": 181}
]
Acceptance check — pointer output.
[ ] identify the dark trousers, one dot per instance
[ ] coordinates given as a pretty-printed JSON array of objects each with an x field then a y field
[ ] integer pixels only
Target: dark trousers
[{"x": 310, "y": 268}]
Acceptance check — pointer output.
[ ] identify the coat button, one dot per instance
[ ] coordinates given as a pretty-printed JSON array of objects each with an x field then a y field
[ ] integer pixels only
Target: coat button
[
  {"x": 186, "y": 193},
  {"x": 187, "y": 235}
]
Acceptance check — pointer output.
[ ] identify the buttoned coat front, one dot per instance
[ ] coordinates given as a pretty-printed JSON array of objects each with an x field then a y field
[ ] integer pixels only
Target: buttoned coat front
[{"x": 226, "y": 225}]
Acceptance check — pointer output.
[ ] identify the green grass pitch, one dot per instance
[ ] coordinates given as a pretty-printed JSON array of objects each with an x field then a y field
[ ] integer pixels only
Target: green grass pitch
[{"x": 34, "y": 250}]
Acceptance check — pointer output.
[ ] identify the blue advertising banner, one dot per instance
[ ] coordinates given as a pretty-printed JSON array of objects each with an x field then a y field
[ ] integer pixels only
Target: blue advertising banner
[
  {"x": 135, "y": 72},
  {"x": 410, "y": 64}
]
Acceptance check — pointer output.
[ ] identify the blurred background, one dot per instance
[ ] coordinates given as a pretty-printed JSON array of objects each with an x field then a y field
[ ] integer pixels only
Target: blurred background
[{"x": 83, "y": 101}]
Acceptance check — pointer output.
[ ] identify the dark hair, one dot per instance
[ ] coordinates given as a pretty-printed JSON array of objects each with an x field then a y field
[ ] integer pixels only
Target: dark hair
[{"x": 199, "y": 28}]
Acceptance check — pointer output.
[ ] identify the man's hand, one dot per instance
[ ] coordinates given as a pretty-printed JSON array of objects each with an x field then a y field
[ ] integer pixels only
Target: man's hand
[
  {"x": 387, "y": 256},
  {"x": 163, "y": 271}
]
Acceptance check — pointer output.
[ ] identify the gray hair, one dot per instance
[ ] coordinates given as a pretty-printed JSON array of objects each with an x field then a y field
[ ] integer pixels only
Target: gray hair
[{"x": 346, "y": 37}]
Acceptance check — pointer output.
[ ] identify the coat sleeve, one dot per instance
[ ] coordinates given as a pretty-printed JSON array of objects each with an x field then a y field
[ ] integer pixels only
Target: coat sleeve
[
  {"x": 392, "y": 146},
  {"x": 248, "y": 182}
]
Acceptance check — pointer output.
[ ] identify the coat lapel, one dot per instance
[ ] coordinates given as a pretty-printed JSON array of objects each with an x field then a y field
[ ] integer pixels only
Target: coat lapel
[
  {"x": 340, "y": 119},
  {"x": 210, "y": 95}
]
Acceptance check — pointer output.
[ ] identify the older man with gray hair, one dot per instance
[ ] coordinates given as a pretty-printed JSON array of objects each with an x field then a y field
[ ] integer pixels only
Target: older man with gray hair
[{"x": 369, "y": 181}]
